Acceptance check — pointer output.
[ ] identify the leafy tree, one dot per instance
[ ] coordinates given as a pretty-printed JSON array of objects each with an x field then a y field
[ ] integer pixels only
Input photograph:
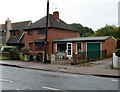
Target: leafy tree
[
  {"x": 85, "y": 31},
  {"x": 108, "y": 31}
]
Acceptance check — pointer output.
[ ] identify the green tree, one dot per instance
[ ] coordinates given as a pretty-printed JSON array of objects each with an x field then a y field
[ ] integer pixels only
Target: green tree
[
  {"x": 85, "y": 31},
  {"x": 108, "y": 30}
]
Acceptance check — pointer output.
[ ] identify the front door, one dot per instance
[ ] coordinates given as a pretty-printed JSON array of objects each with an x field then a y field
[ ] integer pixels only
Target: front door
[{"x": 69, "y": 49}]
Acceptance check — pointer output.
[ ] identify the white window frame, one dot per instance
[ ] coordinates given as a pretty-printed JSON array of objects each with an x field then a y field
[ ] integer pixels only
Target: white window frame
[{"x": 71, "y": 50}]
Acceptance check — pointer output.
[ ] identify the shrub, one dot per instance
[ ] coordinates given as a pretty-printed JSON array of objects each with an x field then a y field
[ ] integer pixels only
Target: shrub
[
  {"x": 25, "y": 50},
  {"x": 118, "y": 52},
  {"x": 15, "y": 54}
]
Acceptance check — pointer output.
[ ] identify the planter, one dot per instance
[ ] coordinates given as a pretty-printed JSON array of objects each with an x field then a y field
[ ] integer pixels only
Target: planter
[
  {"x": 26, "y": 57},
  {"x": 116, "y": 61}
]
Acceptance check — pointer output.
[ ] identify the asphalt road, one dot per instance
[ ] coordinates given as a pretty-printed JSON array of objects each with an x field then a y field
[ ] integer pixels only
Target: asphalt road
[{"x": 27, "y": 79}]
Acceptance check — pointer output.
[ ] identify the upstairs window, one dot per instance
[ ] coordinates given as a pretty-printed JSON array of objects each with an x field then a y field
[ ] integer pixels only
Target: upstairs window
[
  {"x": 13, "y": 33},
  {"x": 1, "y": 34},
  {"x": 40, "y": 31},
  {"x": 30, "y": 32},
  {"x": 17, "y": 32}
]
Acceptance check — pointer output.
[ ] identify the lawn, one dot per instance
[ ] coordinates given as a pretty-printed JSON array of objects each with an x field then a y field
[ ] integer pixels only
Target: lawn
[{"x": 4, "y": 58}]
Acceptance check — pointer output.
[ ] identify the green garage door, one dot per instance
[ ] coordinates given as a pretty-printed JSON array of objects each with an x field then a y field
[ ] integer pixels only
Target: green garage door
[{"x": 93, "y": 50}]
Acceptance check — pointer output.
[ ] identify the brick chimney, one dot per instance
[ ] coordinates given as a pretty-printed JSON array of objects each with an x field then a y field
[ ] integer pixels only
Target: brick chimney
[
  {"x": 56, "y": 15},
  {"x": 8, "y": 28}
]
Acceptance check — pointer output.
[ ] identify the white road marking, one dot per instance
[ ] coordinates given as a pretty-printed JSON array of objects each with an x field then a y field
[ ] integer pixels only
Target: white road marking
[
  {"x": 17, "y": 89},
  {"x": 73, "y": 75},
  {"x": 4, "y": 80},
  {"x": 50, "y": 88},
  {"x": 115, "y": 80}
]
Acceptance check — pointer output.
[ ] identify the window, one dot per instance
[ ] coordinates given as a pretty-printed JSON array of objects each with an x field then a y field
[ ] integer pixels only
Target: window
[
  {"x": 61, "y": 47},
  {"x": 31, "y": 46},
  {"x": 39, "y": 46},
  {"x": 12, "y": 33},
  {"x": 79, "y": 47},
  {"x": 30, "y": 32},
  {"x": 1, "y": 34},
  {"x": 17, "y": 32},
  {"x": 40, "y": 31}
]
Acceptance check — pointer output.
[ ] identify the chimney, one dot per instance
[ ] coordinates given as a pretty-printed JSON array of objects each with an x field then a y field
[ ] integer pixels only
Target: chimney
[
  {"x": 56, "y": 15},
  {"x": 8, "y": 28}
]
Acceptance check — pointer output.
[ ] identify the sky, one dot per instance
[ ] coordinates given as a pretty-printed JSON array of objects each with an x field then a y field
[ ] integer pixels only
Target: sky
[{"x": 91, "y": 13}]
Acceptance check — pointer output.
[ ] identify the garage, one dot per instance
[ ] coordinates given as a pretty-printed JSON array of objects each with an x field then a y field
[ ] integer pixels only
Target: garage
[
  {"x": 91, "y": 47},
  {"x": 93, "y": 50}
]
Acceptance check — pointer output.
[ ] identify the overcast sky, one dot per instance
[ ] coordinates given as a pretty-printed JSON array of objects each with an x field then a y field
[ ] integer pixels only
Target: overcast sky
[{"x": 92, "y": 13}]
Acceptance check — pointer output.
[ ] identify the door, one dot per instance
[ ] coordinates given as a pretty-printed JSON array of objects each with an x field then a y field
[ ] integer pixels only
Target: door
[
  {"x": 69, "y": 49},
  {"x": 93, "y": 50}
]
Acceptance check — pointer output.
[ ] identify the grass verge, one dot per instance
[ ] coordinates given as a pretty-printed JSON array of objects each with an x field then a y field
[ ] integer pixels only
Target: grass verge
[{"x": 4, "y": 58}]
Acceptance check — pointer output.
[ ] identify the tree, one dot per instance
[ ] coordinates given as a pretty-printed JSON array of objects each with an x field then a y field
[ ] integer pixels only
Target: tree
[
  {"x": 85, "y": 31},
  {"x": 108, "y": 31}
]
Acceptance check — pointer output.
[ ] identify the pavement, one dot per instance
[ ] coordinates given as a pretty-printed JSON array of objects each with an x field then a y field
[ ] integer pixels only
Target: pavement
[{"x": 95, "y": 68}]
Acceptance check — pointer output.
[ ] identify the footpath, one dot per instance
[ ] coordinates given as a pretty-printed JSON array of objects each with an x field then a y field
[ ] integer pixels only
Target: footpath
[{"x": 95, "y": 68}]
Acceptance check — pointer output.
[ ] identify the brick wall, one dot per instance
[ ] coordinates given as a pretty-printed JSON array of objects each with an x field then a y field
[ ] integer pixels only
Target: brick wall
[
  {"x": 53, "y": 34},
  {"x": 109, "y": 45}
]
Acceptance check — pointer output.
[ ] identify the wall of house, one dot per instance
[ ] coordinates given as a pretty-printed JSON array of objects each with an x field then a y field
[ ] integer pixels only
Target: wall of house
[
  {"x": 109, "y": 45},
  {"x": 54, "y": 34},
  {"x": 31, "y": 39}
]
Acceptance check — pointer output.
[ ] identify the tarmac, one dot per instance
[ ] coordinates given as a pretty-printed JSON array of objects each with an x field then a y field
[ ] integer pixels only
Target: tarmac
[{"x": 94, "y": 68}]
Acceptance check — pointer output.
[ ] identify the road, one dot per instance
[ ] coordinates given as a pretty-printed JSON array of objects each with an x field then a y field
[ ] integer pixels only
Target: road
[{"x": 27, "y": 79}]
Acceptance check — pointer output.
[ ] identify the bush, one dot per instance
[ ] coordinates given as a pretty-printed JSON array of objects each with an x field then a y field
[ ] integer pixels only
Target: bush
[
  {"x": 15, "y": 54},
  {"x": 25, "y": 51},
  {"x": 118, "y": 52}
]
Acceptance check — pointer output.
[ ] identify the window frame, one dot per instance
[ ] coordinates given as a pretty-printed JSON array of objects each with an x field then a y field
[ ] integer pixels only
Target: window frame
[
  {"x": 40, "y": 31},
  {"x": 30, "y": 32},
  {"x": 77, "y": 47}
]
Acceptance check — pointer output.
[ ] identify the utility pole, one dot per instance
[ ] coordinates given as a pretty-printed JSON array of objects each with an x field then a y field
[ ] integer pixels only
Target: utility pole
[{"x": 46, "y": 33}]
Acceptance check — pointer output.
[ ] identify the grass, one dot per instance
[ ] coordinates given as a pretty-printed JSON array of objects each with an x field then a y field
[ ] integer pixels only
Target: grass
[{"x": 4, "y": 58}]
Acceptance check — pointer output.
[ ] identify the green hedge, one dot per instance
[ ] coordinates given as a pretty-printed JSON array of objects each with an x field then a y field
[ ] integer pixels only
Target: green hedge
[{"x": 118, "y": 52}]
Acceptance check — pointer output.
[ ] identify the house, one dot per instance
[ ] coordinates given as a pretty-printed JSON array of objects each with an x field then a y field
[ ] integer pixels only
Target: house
[
  {"x": 93, "y": 47},
  {"x": 57, "y": 29},
  {"x": 12, "y": 34}
]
